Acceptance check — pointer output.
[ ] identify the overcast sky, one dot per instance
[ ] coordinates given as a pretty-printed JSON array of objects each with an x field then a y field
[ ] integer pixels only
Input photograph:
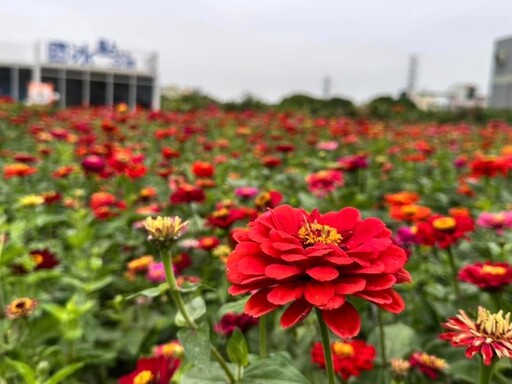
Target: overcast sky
[{"x": 273, "y": 48}]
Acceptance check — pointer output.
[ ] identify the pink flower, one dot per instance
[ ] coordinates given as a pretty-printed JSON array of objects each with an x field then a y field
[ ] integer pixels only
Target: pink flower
[
  {"x": 497, "y": 220},
  {"x": 327, "y": 145},
  {"x": 156, "y": 273}
]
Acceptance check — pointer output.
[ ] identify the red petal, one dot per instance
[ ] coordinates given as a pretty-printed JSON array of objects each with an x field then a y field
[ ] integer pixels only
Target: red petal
[
  {"x": 344, "y": 321},
  {"x": 349, "y": 285},
  {"x": 342, "y": 220},
  {"x": 366, "y": 230},
  {"x": 252, "y": 266},
  {"x": 377, "y": 297},
  {"x": 283, "y": 294},
  {"x": 486, "y": 352},
  {"x": 396, "y": 305},
  {"x": 281, "y": 271},
  {"x": 318, "y": 293},
  {"x": 258, "y": 305},
  {"x": 323, "y": 273},
  {"x": 378, "y": 282},
  {"x": 296, "y": 312}
]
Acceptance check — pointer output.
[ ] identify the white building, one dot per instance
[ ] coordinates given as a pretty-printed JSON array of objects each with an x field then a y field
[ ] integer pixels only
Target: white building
[{"x": 82, "y": 75}]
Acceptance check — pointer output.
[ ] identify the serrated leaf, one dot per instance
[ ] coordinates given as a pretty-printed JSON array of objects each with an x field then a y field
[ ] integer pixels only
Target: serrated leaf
[
  {"x": 196, "y": 344},
  {"x": 237, "y": 348},
  {"x": 196, "y": 308}
]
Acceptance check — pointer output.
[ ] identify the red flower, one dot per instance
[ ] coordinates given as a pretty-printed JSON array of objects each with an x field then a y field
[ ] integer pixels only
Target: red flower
[
  {"x": 312, "y": 260},
  {"x": 105, "y": 205},
  {"x": 93, "y": 163},
  {"x": 153, "y": 370},
  {"x": 187, "y": 193},
  {"x": 490, "y": 334},
  {"x": 443, "y": 231},
  {"x": 202, "y": 169},
  {"x": 488, "y": 166},
  {"x": 224, "y": 217},
  {"x": 487, "y": 276},
  {"x": 267, "y": 200},
  {"x": 323, "y": 182},
  {"x": 430, "y": 365},
  {"x": 230, "y": 321},
  {"x": 349, "y": 357},
  {"x": 208, "y": 243}
]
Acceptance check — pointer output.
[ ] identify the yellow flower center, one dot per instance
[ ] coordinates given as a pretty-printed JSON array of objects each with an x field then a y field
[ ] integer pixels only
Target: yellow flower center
[
  {"x": 38, "y": 259},
  {"x": 172, "y": 350},
  {"x": 313, "y": 233},
  {"x": 223, "y": 212},
  {"x": 343, "y": 349},
  {"x": 433, "y": 361},
  {"x": 144, "y": 377},
  {"x": 262, "y": 199},
  {"x": 410, "y": 210},
  {"x": 493, "y": 325},
  {"x": 493, "y": 270},
  {"x": 444, "y": 223}
]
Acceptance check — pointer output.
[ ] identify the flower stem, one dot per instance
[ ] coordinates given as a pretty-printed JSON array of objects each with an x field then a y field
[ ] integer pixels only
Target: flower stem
[
  {"x": 326, "y": 344},
  {"x": 484, "y": 376},
  {"x": 178, "y": 300},
  {"x": 455, "y": 282},
  {"x": 263, "y": 336},
  {"x": 175, "y": 291},
  {"x": 382, "y": 340}
]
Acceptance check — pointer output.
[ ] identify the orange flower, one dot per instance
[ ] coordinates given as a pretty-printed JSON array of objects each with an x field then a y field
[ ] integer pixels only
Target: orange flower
[
  {"x": 402, "y": 198},
  {"x": 410, "y": 212},
  {"x": 18, "y": 170}
]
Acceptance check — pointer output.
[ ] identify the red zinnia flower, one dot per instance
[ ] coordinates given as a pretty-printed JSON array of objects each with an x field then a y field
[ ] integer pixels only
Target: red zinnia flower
[
  {"x": 349, "y": 357},
  {"x": 487, "y": 276},
  {"x": 231, "y": 321},
  {"x": 430, "y": 365},
  {"x": 490, "y": 334},
  {"x": 187, "y": 193},
  {"x": 443, "y": 231},
  {"x": 203, "y": 169},
  {"x": 153, "y": 370},
  {"x": 289, "y": 256},
  {"x": 322, "y": 182}
]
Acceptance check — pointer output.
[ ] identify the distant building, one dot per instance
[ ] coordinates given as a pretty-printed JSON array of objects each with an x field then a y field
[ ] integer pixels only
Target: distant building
[
  {"x": 501, "y": 82},
  {"x": 461, "y": 96},
  {"x": 81, "y": 75}
]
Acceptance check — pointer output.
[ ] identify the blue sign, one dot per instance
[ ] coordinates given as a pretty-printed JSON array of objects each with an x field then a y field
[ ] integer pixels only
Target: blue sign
[{"x": 105, "y": 51}]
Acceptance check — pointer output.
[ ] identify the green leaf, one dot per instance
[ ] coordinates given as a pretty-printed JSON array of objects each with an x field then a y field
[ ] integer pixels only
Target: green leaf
[
  {"x": 400, "y": 339},
  {"x": 276, "y": 369},
  {"x": 150, "y": 292},
  {"x": 196, "y": 344},
  {"x": 464, "y": 369},
  {"x": 23, "y": 369},
  {"x": 214, "y": 375},
  {"x": 98, "y": 284},
  {"x": 196, "y": 308},
  {"x": 238, "y": 351},
  {"x": 233, "y": 307},
  {"x": 63, "y": 373}
]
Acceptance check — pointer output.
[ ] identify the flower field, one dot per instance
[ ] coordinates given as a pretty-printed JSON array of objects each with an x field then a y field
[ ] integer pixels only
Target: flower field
[{"x": 377, "y": 251}]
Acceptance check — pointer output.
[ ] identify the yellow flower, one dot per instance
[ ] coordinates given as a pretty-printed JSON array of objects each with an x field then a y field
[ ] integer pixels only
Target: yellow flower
[
  {"x": 31, "y": 200},
  {"x": 165, "y": 229},
  {"x": 21, "y": 307}
]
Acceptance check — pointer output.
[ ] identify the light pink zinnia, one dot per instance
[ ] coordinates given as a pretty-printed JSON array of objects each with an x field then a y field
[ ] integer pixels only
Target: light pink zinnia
[{"x": 495, "y": 220}]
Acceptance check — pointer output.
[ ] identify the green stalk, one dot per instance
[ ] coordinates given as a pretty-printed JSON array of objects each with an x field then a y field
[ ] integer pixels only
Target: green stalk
[
  {"x": 453, "y": 269},
  {"x": 484, "y": 376},
  {"x": 326, "y": 344},
  {"x": 178, "y": 300},
  {"x": 263, "y": 336},
  {"x": 382, "y": 340}
]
